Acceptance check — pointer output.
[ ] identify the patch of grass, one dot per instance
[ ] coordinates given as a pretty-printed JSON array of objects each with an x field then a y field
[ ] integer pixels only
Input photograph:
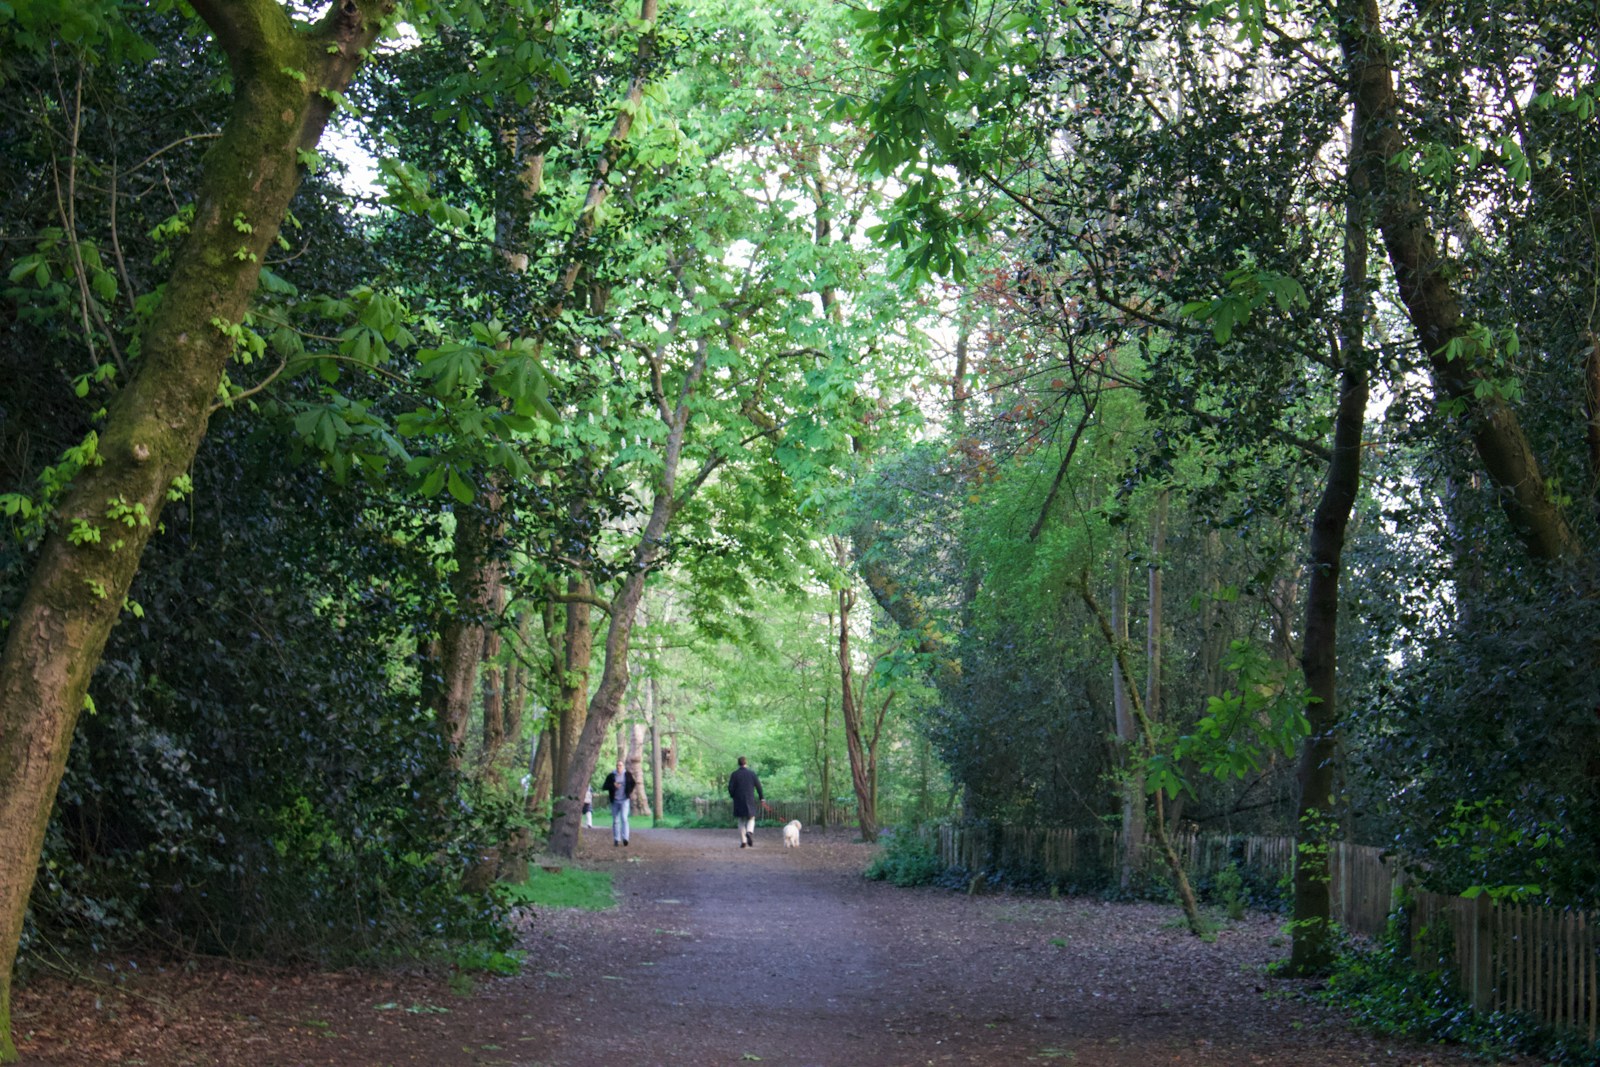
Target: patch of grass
[
  {"x": 676, "y": 821},
  {"x": 564, "y": 887},
  {"x": 1210, "y": 923}
]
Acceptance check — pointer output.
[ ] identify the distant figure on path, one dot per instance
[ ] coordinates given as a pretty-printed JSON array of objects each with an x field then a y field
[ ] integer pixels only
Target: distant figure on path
[
  {"x": 619, "y": 785},
  {"x": 745, "y": 789},
  {"x": 588, "y": 806}
]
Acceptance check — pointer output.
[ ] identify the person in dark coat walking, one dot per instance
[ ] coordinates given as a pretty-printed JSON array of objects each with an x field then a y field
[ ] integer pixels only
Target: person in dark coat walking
[
  {"x": 619, "y": 785},
  {"x": 745, "y": 789}
]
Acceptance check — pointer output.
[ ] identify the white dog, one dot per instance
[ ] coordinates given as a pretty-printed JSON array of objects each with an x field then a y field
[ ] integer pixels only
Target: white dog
[{"x": 791, "y": 834}]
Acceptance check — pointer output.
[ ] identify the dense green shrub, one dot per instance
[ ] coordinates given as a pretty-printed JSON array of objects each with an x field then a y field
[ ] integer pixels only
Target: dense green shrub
[
  {"x": 263, "y": 774},
  {"x": 905, "y": 859}
]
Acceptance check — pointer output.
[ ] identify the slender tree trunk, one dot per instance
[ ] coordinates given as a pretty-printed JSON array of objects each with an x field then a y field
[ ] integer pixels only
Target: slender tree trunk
[
  {"x": 655, "y": 746},
  {"x": 624, "y": 607},
  {"x": 494, "y": 680},
  {"x": 1312, "y": 947},
  {"x": 924, "y": 777},
  {"x": 542, "y": 768},
  {"x": 958, "y": 379},
  {"x": 872, "y": 749},
  {"x": 1152, "y": 640},
  {"x": 1215, "y": 641},
  {"x": 602, "y": 710},
  {"x": 541, "y": 765},
  {"x": 850, "y": 715},
  {"x": 517, "y": 684},
  {"x": 580, "y": 758},
  {"x": 1283, "y": 598},
  {"x": 850, "y": 709},
  {"x": 1158, "y": 827},
  {"x": 79, "y": 583},
  {"x": 640, "y": 799},
  {"x": 827, "y": 752},
  {"x": 1133, "y": 791}
]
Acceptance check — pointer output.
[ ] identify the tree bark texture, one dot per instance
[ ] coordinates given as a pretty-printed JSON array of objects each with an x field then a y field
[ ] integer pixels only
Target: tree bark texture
[
  {"x": 1152, "y": 639},
  {"x": 496, "y": 676},
  {"x": 542, "y": 771},
  {"x": 154, "y": 426},
  {"x": 572, "y": 708},
  {"x": 1312, "y": 945},
  {"x": 850, "y": 709},
  {"x": 636, "y": 747},
  {"x": 461, "y": 637}
]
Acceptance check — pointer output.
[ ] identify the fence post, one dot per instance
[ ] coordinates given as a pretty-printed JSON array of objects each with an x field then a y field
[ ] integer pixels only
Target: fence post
[{"x": 1480, "y": 971}]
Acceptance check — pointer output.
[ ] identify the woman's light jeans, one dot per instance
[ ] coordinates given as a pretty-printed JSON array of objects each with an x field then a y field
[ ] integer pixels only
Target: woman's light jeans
[{"x": 619, "y": 819}]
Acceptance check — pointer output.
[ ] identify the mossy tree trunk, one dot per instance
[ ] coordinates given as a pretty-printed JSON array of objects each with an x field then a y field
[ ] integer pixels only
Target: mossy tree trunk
[{"x": 153, "y": 428}]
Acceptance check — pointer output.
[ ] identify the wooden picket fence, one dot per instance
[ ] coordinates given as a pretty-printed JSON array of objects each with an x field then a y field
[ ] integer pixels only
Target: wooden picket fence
[
  {"x": 1535, "y": 961},
  {"x": 1517, "y": 958}
]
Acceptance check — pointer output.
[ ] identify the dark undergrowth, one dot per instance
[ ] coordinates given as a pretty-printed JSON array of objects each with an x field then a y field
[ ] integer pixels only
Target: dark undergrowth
[{"x": 1382, "y": 990}]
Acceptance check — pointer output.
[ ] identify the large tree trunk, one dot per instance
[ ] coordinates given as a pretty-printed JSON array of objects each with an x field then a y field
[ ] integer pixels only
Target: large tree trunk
[
  {"x": 1313, "y": 946},
  {"x": 79, "y": 583},
  {"x": 572, "y": 706},
  {"x": 1432, "y": 304},
  {"x": 461, "y": 637},
  {"x": 468, "y": 637}
]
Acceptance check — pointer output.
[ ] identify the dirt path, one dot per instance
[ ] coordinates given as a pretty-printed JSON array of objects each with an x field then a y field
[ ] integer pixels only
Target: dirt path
[
  {"x": 723, "y": 956},
  {"x": 720, "y": 956}
]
